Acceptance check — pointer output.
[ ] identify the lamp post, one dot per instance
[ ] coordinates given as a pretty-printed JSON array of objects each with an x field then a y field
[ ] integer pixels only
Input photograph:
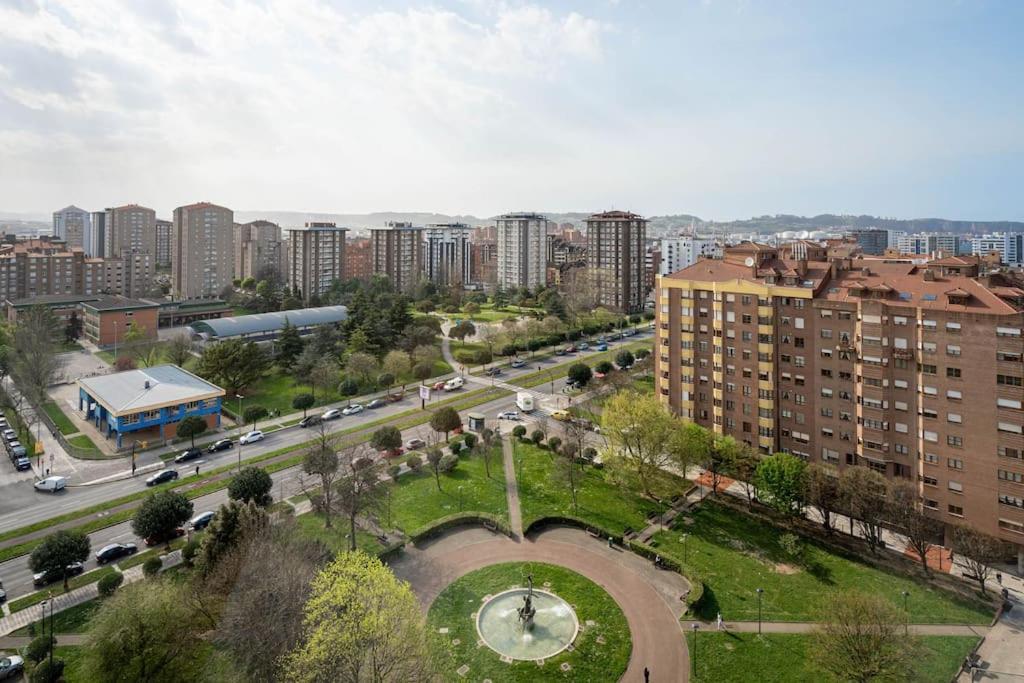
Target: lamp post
[
  {"x": 460, "y": 499},
  {"x": 906, "y": 613},
  {"x": 695, "y": 627},
  {"x": 683, "y": 539},
  {"x": 759, "y": 592},
  {"x": 115, "y": 342},
  {"x": 238, "y": 422}
]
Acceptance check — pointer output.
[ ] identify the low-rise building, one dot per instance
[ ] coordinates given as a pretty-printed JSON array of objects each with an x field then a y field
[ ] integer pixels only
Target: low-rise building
[
  {"x": 106, "y": 320},
  {"x": 265, "y": 327}
]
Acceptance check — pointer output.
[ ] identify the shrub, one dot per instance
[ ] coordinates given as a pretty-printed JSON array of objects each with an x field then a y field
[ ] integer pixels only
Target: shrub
[
  {"x": 38, "y": 649},
  {"x": 414, "y": 462},
  {"x": 189, "y": 552},
  {"x": 47, "y": 672},
  {"x": 456, "y": 448},
  {"x": 519, "y": 431},
  {"x": 109, "y": 583},
  {"x": 393, "y": 471},
  {"x": 793, "y": 547},
  {"x": 536, "y": 436},
  {"x": 152, "y": 566},
  {"x": 554, "y": 443},
  {"x": 470, "y": 440},
  {"x": 448, "y": 462}
]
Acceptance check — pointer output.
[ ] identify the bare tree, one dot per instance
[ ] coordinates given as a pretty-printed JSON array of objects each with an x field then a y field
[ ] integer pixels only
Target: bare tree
[
  {"x": 178, "y": 349},
  {"x": 360, "y": 489},
  {"x": 863, "y": 495},
  {"x": 744, "y": 470},
  {"x": 977, "y": 551},
  {"x": 823, "y": 492},
  {"x": 321, "y": 461},
  {"x": 906, "y": 514}
]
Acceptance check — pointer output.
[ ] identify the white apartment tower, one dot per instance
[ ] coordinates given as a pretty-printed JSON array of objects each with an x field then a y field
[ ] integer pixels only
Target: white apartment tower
[
  {"x": 73, "y": 225},
  {"x": 683, "y": 251},
  {"x": 522, "y": 242},
  {"x": 447, "y": 253}
]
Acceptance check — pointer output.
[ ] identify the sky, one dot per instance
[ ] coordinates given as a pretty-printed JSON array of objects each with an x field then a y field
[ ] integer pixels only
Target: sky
[{"x": 724, "y": 109}]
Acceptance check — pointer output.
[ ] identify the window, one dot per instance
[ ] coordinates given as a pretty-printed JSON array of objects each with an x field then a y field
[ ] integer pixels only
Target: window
[
  {"x": 927, "y": 368},
  {"x": 953, "y": 373},
  {"x": 955, "y": 441},
  {"x": 826, "y": 334},
  {"x": 954, "y": 463},
  {"x": 955, "y": 487},
  {"x": 955, "y": 510},
  {"x": 901, "y": 428},
  {"x": 826, "y": 412},
  {"x": 929, "y": 481},
  {"x": 1014, "y": 501},
  {"x": 1009, "y": 380},
  {"x": 930, "y": 413},
  {"x": 1010, "y": 525},
  {"x": 1015, "y": 477},
  {"x": 1007, "y": 452},
  {"x": 952, "y": 350},
  {"x": 954, "y": 395},
  {"x": 932, "y": 437},
  {"x": 1010, "y": 428},
  {"x": 1007, "y": 332},
  {"x": 1008, "y": 403},
  {"x": 931, "y": 459}
]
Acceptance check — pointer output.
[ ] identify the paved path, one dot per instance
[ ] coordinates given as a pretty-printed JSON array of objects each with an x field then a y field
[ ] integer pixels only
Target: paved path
[
  {"x": 515, "y": 515},
  {"x": 1000, "y": 654}
]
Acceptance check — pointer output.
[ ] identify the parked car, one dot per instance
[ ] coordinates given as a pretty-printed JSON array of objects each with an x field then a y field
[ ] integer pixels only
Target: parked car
[
  {"x": 157, "y": 540},
  {"x": 162, "y": 476},
  {"x": 438, "y": 386},
  {"x": 493, "y": 372},
  {"x": 517, "y": 362},
  {"x": 202, "y": 520},
  {"x": 395, "y": 396},
  {"x": 3, "y": 594},
  {"x": 559, "y": 352},
  {"x": 561, "y": 415},
  {"x": 509, "y": 415},
  {"x": 21, "y": 464},
  {"x": 376, "y": 403},
  {"x": 222, "y": 445},
  {"x": 189, "y": 454},
  {"x": 413, "y": 444},
  {"x": 45, "y": 578},
  {"x": 353, "y": 409},
  {"x": 310, "y": 420},
  {"x": 11, "y": 667},
  {"x": 51, "y": 484},
  {"x": 584, "y": 346},
  {"x": 393, "y": 453},
  {"x": 601, "y": 347},
  {"x": 332, "y": 414},
  {"x": 454, "y": 383},
  {"x": 109, "y": 553},
  {"x": 252, "y": 437},
  {"x": 18, "y": 451},
  {"x": 10, "y": 435},
  {"x": 571, "y": 348}
]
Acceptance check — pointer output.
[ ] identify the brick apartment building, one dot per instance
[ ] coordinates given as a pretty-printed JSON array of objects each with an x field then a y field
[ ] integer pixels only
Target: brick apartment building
[
  {"x": 359, "y": 258},
  {"x": 44, "y": 267},
  {"x": 912, "y": 370},
  {"x": 616, "y": 245},
  {"x": 397, "y": 252}
]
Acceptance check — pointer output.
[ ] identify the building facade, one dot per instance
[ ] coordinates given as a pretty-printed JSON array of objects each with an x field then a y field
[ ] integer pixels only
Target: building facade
[
  {"x": 522, "y": 243},
  {"x": 616, "y": 248},
  {"x": 317, "y": 258},
  {"x": 928, "y": 244},
  {"x": 202, "y": 250},
  {"x": 73, "y": 225},
  {"x": 912, "y": 370},
  {"x": 359, "y": 259},
  {"x": 97, "y": 245},
  {"x": 873, "y": 241},
  {"x": 42, "y": 267},
  {"x": 130, "y": 229},
  {"x": 484, "y": 262},
  {"x": 683, "y": 251},
  {"x": 1009, "y": 246},
  {"x": 162, "y": 255},
  {"x": 106, "y": 320},
  {"x": 398, "y": 254},
  {"x": 447, "y": 255},
  {"x": 259, "y": 251}
]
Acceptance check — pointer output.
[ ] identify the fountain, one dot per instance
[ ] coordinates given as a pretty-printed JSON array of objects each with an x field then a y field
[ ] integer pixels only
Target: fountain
[{"x": 527, "y": 624}]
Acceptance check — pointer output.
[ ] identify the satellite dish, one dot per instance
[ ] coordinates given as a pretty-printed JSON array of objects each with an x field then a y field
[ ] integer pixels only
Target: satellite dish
[{"x": 749, "y": 261}]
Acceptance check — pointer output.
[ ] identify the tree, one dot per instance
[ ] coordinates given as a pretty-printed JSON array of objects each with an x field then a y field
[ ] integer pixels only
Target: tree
[
  {"x": 907, "y": 516},
  {"x": 322, "y": 373},
  {"x": 721, "y": 460},
  {"x": 471, "y": 309},
  {"x": 303, "y": 402},
  {"x": 744, "y": 470},
  {"x": 361, "y": 624},
  {"x": 519, "y": 431},
  {"x": 233, "y": 525},
  {"x": 580, "y": 374},
  {"x": 34, "y": 361},
  {"x": 489, "y": 438},
  {"x": 624, "y": 359},
  {"x": 190, "y": 427},
  {"x": 160, "y": 515},
  {"x": 426, "y": 354},
  {"x": 59, "y": 550},
  {"x": 781, "y": 479},
  {"x": 977, "y": 552},
  {"x": 146, "y": 631},
  {"x": 386, "y": 439},
  {"x": 73, "y": 330},
  {"x": 863, "y": 494},
  {"x": 824, "y": 494},
  {"x": 462, "y": 330},
  {"x": 862, "y": 640},
  {"x": 233, "y": 363},
  {"x": 145, "y": 349},
  {"x": 321, "y": 461},
  {"x": 397, "y": 364},
  {"x": 362, "y": 367},
  {"x": 289, "y": 345},
  {"x": 434, "y": 456},
  {"x": 604, "y": 367},
  {"x": 348, "y": 387},
  {"x": 445, "y": 420},
  {"x": 252, "y": 483},
  {"x": 423, "y": 371},
  {"x": 178, "y": 349},
  {"x": 386, "y": 379},
  {"x": 253, "y": 414},
  {"x": 360, "y": 489},
  {"x": 638, "y": 429}
]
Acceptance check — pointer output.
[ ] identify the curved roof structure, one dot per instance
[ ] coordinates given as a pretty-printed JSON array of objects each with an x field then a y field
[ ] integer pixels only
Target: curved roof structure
[{"x": 264, "y": 323}]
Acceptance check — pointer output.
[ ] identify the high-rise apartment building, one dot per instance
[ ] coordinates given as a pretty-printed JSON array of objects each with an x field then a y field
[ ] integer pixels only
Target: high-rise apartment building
[
  {"x": 484, "y": 262},
  {"x": 616, "y": 247},
  {"x": 447, "y": 254},
  {"x": 130, "y": 229},
  {"x": 202, "y": 250},
  {"x": 259, "y": 251},
  {"x": 40, "y": 267},
  {"x": 928, "y": 244},
  {"x": 163, "y": 242},
  {"x": 872, "y": 241},
  {"x": 683, "y": 251},
  {"x": 359, "y": 259},
  {"x": 398, "y": 254},
  {"x": 914, "y": 371},
  {"x": 522, "y": 243},
  {"x": 1009, "y": 246},
  {"x": 97, "y": 244},
  {"x": 317, "y": 258},
  {"x": 73, "y": 225}
]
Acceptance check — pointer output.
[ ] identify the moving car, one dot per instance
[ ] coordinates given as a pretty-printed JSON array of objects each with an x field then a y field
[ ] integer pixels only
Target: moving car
[
  {"x": 524, "y": 401},
  {"x": 44, "y": 578},
  {"x": 517, "y": 363},
  {"x": 413, "y": 444},
  {"x": 509, "y": 415},
  {"x": 51, "y": 484},
  {"x": 352, "y": 409},
  {"x": 376, "y": 403},
  {"x": 3, "y": 594},
  {"x": 584, "y": 346},
  {"x": 157, "y": 540},
  {"x": 559, "y": 352},
  {"x": 222, "y": 445},
  {"x": 454, "y": 383},
  {"x": 202, "y": 520},
  {"x": 561, "y": 415},
  {"x": 571, "y": 348},
  {"x": 601, "y": 347},
  {"x": 252, "y": 437},
  {"x": 11, "y": 667},
  {"x": 162, "y": 476},
  {"x": 395, "y": 396},
  {"x": 310, "y": 420},
  {"x": 109, "y": 553},
  {"x": 332, "y": 414},
  {"x": 188, "y": 454}
]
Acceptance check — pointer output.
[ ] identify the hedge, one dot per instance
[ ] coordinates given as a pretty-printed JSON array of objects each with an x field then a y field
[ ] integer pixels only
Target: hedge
[
  {"x": 577, "y": 522},
  {"x": 460, "y": 519},
  {"x": 694, "y": 578}
]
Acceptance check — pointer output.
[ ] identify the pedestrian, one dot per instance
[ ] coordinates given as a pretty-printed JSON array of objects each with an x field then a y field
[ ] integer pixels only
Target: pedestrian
[
  {"x": 719, "y": 623},
  {"x": 197, "y": 470},
  {"x": 609, "y": 541},
  {"x": 647, "y": 675},
  {"x": 999, "y": 578},
  {"x": 47, "y": 471}
]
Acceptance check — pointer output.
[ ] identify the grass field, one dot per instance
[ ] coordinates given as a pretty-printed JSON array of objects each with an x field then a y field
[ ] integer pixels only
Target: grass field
[
  {"x": 589, "y": 661},
  {"x": 72, "y": 620},
  {"x": 63, "y": 422},
  {"x": 786, "y": 658},
  {"x": 56, "y": 588},
  {"x": 737, "y": 554},
  {"x": 88, "y": 446},
  {"x": 311, "y": 525}
]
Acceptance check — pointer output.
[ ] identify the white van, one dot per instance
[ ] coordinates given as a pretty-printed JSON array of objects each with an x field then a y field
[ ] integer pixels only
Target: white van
[
  {"x": 454, "y": 383},
  {"x": 524, "y": 401},
  {"x": 51, "y": 484}
]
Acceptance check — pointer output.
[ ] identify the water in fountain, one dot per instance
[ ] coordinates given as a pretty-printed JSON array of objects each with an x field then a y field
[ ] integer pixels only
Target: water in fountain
[{"x": 554, "y": 625}]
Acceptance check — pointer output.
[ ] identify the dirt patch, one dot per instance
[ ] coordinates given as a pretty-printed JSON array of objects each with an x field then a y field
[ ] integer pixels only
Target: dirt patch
[
  {"x": 689, "y": 521},
  {"x": 783, "y": 568}
]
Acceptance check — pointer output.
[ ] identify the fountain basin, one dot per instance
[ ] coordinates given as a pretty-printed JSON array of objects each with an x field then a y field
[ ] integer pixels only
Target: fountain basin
[{"x": 554, "y": 625}]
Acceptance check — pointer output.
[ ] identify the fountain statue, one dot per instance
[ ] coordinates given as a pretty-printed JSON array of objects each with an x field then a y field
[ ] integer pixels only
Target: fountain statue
[{"x": 527, "y": 611}]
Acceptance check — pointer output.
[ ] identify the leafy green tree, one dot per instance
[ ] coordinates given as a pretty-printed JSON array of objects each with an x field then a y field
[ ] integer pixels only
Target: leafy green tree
[
  {"x": 362, "y": 624},
  {"x": 142, "y": 346},
  {"x": 303, "y": 402},
  {"x": 362, "y": 367},
  {"x": 624, "y": 359},
  {"x": 348, "y": 387},
  {"x": 604, "y": 367},
  {"x": 397, "y": 364},
  {"x": 253, "y": 414},
  {"x": 386, "y": 438},
  {"x": 73, "y": 329},
  {"x": 580, "y": 374},
  {"x": 445, "y": 420},
  {"x": 638, "y": 429},
  {"x": 464, "y": 329},
  {"x": 251, "y": 484},
  {"x": 178, "y": 350},
  {"x": 471, "y": 309},
  {"x": 289, "y": 346},
  {"x": 323, "y": 373},
  {"x": 160, "y": 515},
  {"x": 233, "y": 364},
  {"x": 423, "y": 371},
  {"x": 190, "y": 427},
  {"x": 232, "y": 523},
  {"x": 59, "y": 550},
  {"x": 862, "y": 639},
  {"x": 781, "y": 478}
]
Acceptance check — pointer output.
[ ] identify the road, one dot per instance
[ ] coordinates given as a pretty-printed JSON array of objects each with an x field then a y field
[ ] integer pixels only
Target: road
[{"x": 17, "y": 577}]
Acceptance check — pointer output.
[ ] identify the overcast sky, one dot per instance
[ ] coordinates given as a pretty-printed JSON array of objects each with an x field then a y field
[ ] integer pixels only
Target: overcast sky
[{"x": 722, "y": 108}]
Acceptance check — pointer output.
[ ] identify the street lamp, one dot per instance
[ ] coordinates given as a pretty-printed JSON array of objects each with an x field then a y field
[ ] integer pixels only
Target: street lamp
[
  {"x": 115, "y": 341},
  {"x": 238, "y": 422},
  {"x": 906, "y": 613},
  {"x": 683, "y": 539},
  {"x": 460, "y": 499},
  {"x": 759, "y": 592},
  {"x": 695, "y": 627}
]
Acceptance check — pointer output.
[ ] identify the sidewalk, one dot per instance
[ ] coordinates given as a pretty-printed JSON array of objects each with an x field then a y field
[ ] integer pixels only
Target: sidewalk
[{"x": 999, "y": 656}]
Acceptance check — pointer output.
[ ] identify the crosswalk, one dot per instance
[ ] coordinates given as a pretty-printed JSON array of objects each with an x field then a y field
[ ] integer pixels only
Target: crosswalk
[{"x": 544, "y": 403}]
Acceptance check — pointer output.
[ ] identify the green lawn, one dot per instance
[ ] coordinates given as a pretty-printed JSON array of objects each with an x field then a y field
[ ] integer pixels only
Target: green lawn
[
  {"x": 785, "y": 658},
  {"x": 275, "y": 391},
  {"x": 590, "y": 661},
  {"x": 543, "y": 492},
  {"x": 737, "y": 554},
  {"x": 416, "y": 501},
  {"x": 312, "y": 526},
  {"x": 57, "y": 588},
  {"x": 72, "y": 620},
  {"x": 88, "y": 446},
  {"x": 63, "y": 422}
]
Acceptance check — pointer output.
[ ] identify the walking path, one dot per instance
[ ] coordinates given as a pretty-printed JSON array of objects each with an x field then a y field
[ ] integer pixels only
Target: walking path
[
  {"x": 515, "y": 515},
  {"x": 999, "y": 656}
]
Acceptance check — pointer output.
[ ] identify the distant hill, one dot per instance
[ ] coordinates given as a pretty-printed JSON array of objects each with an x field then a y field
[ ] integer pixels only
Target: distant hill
[{"x": 827, "y": 221}]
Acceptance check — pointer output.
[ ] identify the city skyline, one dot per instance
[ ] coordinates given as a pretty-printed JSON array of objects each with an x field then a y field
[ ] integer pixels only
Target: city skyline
[{"x": 718, "y": 109}]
